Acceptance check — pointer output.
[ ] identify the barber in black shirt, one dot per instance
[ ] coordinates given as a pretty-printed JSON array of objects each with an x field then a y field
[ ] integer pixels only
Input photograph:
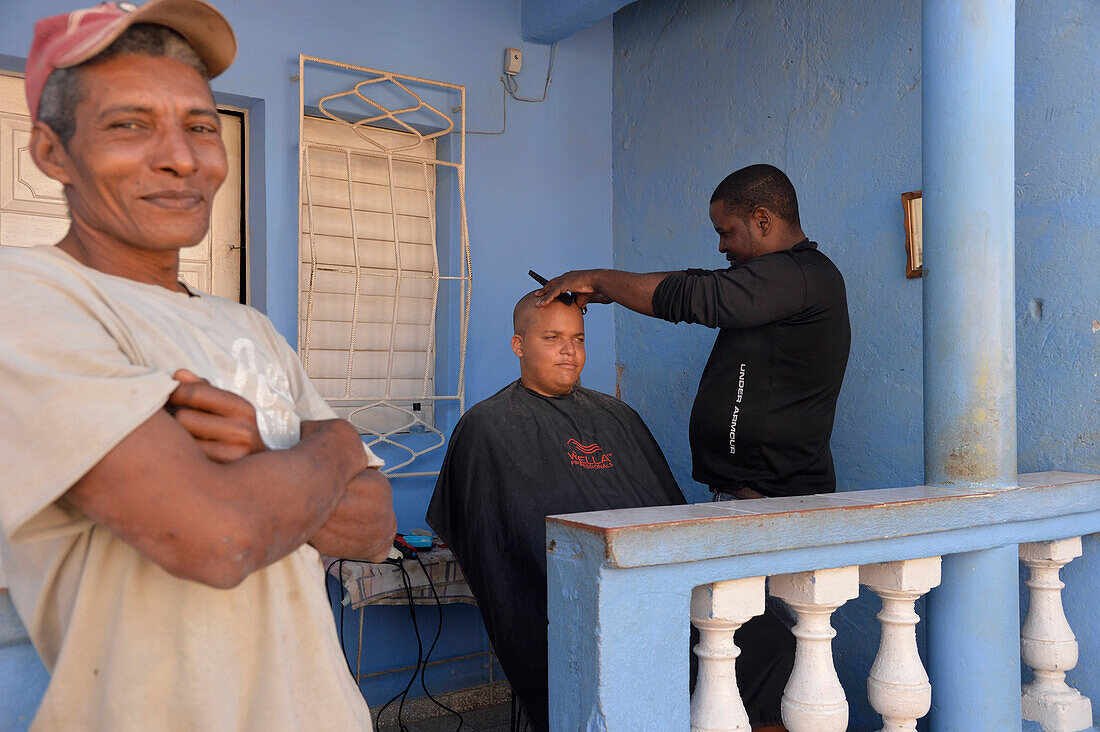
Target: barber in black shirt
[{"x": 762, "y": 418}]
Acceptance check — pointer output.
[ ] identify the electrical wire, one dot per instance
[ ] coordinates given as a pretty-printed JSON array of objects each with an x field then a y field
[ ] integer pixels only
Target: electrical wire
[
  {"x": 340, "y": 629},
  {"x": 438, "y": 632},
  {"x": 404, "y": 693},
  {"x": 503, "y": 109},
  {"x": 512, "y": 85},
  {"x": 407, "y": 580},
  {"x": 421, "y": 658}
]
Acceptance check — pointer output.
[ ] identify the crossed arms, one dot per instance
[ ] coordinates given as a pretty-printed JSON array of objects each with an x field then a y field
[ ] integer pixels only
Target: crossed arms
[{"x": 194, "y": 490}]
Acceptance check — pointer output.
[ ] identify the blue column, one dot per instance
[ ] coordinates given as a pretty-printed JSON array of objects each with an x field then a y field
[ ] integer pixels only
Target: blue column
[
  {"x": 974, "y": 643},
  {"x": 968, "y": 141},
  {"x": 618, "y": 643},
  {"x": 969, "y": 240}
]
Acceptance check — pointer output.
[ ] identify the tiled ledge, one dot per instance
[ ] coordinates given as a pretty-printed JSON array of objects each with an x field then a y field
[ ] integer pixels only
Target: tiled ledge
[{"x": 670, "y": 534}]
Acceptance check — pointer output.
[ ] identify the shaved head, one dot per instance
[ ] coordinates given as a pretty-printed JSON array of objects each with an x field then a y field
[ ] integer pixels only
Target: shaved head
[
  {"x": 549, "y": 342},
  {"x": 526, "y": 313}
]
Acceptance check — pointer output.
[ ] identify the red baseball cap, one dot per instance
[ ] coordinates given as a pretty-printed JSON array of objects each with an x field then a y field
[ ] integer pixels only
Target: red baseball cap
[{"x": 72, "y": 38}]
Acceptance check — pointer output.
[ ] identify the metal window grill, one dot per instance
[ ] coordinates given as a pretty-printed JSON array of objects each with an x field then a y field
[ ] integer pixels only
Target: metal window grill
[{"x": 369, "y": 264}]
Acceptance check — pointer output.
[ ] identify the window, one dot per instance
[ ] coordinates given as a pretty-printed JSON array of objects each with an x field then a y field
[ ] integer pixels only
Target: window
[{"x": 373, "y": 289}]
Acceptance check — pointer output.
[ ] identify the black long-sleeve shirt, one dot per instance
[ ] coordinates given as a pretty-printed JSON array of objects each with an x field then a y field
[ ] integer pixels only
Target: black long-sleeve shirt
[{"x": 764, "y": 412}]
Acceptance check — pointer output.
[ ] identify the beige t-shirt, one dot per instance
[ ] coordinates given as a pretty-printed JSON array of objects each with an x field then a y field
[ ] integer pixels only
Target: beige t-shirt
[{"x": 85, "y": 358}]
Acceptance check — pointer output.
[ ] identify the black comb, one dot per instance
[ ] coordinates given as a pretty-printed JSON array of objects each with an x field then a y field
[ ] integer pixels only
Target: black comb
[{"x": 565, "y": 297}]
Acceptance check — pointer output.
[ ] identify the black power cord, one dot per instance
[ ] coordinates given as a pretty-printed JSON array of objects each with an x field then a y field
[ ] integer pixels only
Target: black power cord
[
  {"x": 340, "y": 627},
  {"x": 438, "y": 632},
  {"x": 421, "y": 658},
  {"x": 404, "y": 693}
]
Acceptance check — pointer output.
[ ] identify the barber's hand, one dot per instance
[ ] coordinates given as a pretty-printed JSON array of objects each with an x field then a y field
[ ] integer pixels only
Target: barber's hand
[
  {"x": 581, "y": 283},
  {"x": 223, "y": 423}
]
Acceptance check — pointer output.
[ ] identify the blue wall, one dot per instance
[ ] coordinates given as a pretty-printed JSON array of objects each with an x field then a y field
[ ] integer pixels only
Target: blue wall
[
  {"x": 1057, "y": 265},
  {"x": 538, "y": 197},
  {"x": 702, "y": 89},
  {"x": 830, "y": 92}
]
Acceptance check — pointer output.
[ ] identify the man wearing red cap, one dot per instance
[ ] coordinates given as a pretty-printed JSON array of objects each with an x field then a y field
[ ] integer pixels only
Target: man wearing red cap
[{"x": 170, "y": 473}]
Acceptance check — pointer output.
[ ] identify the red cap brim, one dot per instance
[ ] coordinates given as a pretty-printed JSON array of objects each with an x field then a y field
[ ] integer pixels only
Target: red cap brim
[{"x": 73, "y": 38}]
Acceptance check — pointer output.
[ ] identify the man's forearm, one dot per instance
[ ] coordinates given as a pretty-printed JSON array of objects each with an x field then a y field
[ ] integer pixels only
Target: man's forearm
[
  {"x": 630, "y": 289},
  {"x": 363, "y": 525},
  {"x": 212, "y": 522},
  {"x": 298, "y": 488}
]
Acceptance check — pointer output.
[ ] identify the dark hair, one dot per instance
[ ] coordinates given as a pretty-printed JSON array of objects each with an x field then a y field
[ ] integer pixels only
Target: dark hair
[
  {"x": 63, "y": 90},
  {"x": 745, "y": 190}
]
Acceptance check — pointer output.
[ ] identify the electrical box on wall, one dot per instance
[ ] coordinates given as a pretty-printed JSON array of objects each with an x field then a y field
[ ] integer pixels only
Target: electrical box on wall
[{"x": 513, "y": 61}]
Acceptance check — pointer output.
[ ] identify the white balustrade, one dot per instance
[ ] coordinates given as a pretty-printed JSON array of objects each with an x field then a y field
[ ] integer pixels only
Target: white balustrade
[
  {"x": 1047, "y": 643},
  {"x": 898, "y": 686},
  {"x": 718, "y": 610},
  {"x": 589, "y": 690},
  {"x": 813, "y": 700}
]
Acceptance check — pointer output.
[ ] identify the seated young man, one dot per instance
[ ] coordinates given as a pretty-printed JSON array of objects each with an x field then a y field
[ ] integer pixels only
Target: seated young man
[{"x": 540, "y": 446}]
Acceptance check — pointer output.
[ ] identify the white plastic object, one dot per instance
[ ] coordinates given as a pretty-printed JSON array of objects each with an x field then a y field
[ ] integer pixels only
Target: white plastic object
[{"x": 513, "y": 61}]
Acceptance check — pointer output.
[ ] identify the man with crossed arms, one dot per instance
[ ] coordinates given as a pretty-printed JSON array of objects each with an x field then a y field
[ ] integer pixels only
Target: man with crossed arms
[{"x": 170, "y": 475}]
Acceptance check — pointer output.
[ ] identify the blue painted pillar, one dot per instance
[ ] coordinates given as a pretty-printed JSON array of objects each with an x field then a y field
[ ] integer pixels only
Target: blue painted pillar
[
  {"x": 970, "y": 347},
  {"x": 618, "y": 641},
  {"x": 974, "y": 643}
]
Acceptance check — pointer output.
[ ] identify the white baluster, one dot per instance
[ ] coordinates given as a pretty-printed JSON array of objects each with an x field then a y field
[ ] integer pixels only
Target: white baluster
[
  {"x": 1047, "y": 643},
  {"x": 813, "y": 700},
  {"x": 898, "y": 686},
  {"x": 718, "y": 610}
]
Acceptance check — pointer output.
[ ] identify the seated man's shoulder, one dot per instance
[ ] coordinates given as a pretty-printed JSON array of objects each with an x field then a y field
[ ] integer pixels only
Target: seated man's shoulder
[
  {"x": 16, "y": 254},
  {"x": 513, "y": 406},
  {"x": 491, "y": 410},
  {"x": 605, "y": 401}
]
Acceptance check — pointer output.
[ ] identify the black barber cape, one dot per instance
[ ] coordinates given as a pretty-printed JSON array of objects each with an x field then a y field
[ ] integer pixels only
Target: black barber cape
[
  {"x": 764, "y": 412},
  {"x": 513, "y": 460}
]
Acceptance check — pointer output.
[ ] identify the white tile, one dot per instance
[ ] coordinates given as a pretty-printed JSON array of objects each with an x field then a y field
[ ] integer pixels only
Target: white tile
[
  {"x": 880, "y": 496},
  {"x": 786, "y": 504},
  {"x": 1053, "y": 477},
  {"x": 652, "y": 515}
]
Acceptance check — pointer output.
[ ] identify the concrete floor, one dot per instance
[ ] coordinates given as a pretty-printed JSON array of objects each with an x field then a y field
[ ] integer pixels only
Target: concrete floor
[{"x": 489, "y": 719}]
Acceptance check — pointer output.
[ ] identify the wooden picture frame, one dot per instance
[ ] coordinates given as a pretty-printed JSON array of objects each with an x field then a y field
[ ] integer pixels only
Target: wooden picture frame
[{"x": 914, "y": 252}]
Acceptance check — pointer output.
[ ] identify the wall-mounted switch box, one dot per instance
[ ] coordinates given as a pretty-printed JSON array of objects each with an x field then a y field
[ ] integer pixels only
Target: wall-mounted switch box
[{"x": 513, "y": 61}]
